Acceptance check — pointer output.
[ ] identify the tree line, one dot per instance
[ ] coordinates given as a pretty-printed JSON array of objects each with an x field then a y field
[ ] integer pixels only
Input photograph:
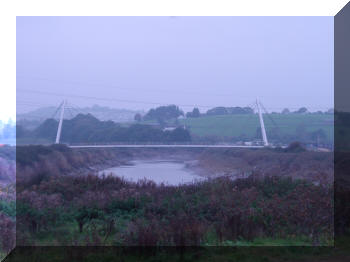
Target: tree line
[
  {"x": 88, "y": 129},
  {"x": 164, "y": 113}
]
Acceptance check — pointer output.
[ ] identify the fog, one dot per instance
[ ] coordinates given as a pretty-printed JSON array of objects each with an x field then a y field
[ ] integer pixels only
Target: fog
[{"x": 142, "y": 62}]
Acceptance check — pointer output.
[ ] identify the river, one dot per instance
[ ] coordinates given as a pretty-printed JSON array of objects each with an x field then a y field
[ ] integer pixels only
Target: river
[{"x": 168, "y": 172}]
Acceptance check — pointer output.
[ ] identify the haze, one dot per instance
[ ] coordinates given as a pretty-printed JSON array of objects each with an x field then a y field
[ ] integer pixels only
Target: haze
[{"x": 142, "y": 62}]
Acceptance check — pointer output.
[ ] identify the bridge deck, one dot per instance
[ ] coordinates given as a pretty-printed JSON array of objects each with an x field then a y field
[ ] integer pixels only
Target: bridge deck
[{"x": 159, "y": 146}]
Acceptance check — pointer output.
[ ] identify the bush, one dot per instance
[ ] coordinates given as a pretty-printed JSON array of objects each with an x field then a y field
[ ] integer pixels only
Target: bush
[
  {"x": 179, "y": 215},
  {"x": 295, "y": 147}
]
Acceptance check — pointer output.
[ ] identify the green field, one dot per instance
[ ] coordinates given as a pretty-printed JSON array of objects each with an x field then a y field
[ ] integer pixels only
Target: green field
[{"x": 236, "y": 125}]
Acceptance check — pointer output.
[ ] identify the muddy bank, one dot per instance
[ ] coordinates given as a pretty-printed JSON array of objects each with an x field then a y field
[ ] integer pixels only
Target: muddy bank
[
  {"x": 238, "y": 163},
  {"x": 124, "y": 156},
  {"x": 313, "y": 166},
  {"x": 37, "y": 161}
]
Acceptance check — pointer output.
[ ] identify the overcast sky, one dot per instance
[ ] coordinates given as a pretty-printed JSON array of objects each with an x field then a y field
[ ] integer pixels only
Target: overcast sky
[{"x": 142, "y": 62}]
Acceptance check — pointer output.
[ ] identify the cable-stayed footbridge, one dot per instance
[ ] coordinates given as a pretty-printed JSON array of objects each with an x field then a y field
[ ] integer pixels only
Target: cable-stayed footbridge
[{"x": 257, "y": 104}]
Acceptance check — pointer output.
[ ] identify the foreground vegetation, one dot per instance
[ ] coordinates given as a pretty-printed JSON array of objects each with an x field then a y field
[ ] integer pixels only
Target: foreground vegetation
[
  {"x": 7, "y": 199},
  {"x": 92, "y": 210},
  {"x": 58, "y": 204}
]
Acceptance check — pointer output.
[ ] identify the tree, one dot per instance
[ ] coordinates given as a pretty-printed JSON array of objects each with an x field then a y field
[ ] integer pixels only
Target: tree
[
  {"x": 285, "y": 111},
  {"x": 330, "y": 111},
  {"x": 230, "y": 110},
  {"x": 217, "y": 111},
  {"x": 138, "y": 117},
  {"x": 189, "y": 114},
  {"x": 84, "y": 215},
  {"x": 258, "y": 133},
  {"x": 302, "y": 110},
  {"x": 164, "y": 113},
  {"x": 295, "y": 147},
  {"x": 178, "y": 135},
  {"x": 318, "y": 136},
  {"x": 195, "y": 112},
  {"x": 87, "y": 129},
  {"x": 22, "y": 132},
  {"x": 239, "y": 110},
  {"x": 161, "y": 122}
]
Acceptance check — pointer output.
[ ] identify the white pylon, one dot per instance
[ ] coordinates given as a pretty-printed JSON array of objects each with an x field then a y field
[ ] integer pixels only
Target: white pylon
[
  {"x": 58, "y": 136},
  {"x": 263, "y": 131}
]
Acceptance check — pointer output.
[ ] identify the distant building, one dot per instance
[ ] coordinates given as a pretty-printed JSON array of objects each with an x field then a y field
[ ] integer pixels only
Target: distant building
[
  {"x": 172, "y": 128},
  {"x": 169, "y": 128},
  {"x": 321, "y": 149}
]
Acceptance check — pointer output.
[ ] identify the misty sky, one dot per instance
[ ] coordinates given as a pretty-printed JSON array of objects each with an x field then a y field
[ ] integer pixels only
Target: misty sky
[{"x": 141, "y": 62}]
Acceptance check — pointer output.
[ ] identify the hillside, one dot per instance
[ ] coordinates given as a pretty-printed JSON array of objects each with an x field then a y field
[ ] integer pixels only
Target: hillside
[{"x": 304, "y": 127}]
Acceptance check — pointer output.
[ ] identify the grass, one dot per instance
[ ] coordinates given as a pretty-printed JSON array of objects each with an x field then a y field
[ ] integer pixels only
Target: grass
[
  {"x": 299, "y": 241},
  {"x": 236, "y": 125},
  {"x": 8, "y": 207},
  {"x": 269, "y": 242}
]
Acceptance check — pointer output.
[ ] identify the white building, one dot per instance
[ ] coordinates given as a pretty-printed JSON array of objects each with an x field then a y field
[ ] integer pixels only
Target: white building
[{"x": 169, "y": 128}]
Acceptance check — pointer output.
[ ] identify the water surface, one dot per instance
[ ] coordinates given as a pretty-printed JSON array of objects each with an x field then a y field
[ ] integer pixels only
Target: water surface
[{"x": 160, "y": 171}]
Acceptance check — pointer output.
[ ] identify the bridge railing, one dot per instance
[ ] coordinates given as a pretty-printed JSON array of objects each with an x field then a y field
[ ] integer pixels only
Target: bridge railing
[
  {"x": 161, "y": 143},
  {"x": 144, "y": 143}
]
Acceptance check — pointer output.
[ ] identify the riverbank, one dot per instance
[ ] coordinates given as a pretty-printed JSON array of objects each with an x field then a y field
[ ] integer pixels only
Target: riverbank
[
  {"x": 316, "y": 167},
  {"x": 209, "y": 163}
]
